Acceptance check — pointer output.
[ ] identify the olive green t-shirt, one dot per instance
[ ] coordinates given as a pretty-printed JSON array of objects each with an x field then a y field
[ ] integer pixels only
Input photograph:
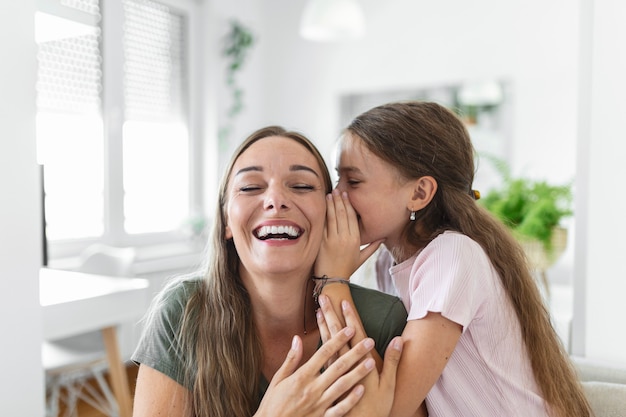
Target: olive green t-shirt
[{"x": 383, "y": 317}]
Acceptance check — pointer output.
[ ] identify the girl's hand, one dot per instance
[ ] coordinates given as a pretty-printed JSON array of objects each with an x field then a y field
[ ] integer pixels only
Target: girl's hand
[
  {"x": 306, "y": 392},
  {"x": 379, "y": 388},
  {"x": 340, "y": 254}
]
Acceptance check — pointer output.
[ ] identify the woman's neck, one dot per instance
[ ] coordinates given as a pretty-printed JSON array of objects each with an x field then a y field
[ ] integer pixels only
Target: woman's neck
[
  {"x": 281, "y": 304},
  {"x": 281, "y": 315}
]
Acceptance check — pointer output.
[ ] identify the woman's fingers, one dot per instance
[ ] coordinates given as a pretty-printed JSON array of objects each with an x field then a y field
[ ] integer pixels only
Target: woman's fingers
[
  {"x": 328, "y": 351},
  {"x": 325, "y": 335},
  {"x": 352, "y": 320},
  {"x": 330, "y": 316},
  {"x": 348, "y": 370},
  {"x": 322, "y": 326},
  {"x": 331, "y": 324},
  {"x": 305, "y": 391},
  {"x": 341, "y": 408},
  {"x": 290, "y": 364},
  {"x": 390, "y": 365}
]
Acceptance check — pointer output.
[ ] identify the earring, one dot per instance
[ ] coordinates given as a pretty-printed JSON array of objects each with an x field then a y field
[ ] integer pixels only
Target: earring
[{"x": 412, "y": 217}]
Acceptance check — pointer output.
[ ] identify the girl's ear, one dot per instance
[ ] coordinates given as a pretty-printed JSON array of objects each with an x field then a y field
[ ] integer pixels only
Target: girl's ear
[
  {"x": 423, "y": 192},
  {"x": 228, "y": 234}
]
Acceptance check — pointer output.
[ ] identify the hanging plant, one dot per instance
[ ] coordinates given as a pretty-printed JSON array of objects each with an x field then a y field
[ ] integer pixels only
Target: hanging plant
[{"x": 237, "y": 45}]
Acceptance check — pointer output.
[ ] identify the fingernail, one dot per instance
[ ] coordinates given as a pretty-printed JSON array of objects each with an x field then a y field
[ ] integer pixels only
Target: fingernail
[
  {"x": 349, "y": 331},
  {"x": 319, "y": 315},
  {"x": 344, "y": 194},
  {"x": 322, "y": 300},
  {"x": 295, "y": 342},
  {"x": 344, "y": 305},
  {"x": 359, "y": 390},
  {"x": 396, "y": 344},
  {"x": 368, "y": 343},
  {"x": 369, "y": 363},
  {"x": 329, "y": 196}
]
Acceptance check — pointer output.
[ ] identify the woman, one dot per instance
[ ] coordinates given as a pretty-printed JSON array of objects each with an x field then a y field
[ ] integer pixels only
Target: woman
[{"x": 211, "y": 344}]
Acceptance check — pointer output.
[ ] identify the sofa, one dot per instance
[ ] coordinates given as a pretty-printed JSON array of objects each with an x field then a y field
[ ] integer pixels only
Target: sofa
[{"x": 605, "y": 386}]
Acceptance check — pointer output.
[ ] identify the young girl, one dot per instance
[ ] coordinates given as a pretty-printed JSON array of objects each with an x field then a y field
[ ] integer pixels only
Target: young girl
[{"x": 478, "y": 339}]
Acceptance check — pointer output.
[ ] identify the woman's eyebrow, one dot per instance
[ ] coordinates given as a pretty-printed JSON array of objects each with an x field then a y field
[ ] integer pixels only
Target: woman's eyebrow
[
  {"x": 257, "y": 168},
  {"x": 303, "y": 168},
  {"x": 248, "y": 169}
]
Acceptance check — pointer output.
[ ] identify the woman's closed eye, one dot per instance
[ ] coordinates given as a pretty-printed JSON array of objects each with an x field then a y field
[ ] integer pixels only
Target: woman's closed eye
[
  {"x": 249, "y": 188},
  {"x": 303, "y": 187}
]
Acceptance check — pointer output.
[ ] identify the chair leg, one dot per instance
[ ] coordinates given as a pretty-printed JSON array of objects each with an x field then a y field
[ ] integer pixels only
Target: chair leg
[
  {"x": 53, "y": 398},
  {"x": 70, "y": 388}
]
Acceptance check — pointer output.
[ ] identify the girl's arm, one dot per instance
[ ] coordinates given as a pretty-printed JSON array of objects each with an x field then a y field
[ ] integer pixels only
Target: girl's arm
[
  {"x": 340, "y": 253},
  {"x": 428, "y": 342}
]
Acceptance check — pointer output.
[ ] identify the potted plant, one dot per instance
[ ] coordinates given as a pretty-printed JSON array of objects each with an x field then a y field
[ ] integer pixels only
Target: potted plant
[{"x": 533, "y": 210}]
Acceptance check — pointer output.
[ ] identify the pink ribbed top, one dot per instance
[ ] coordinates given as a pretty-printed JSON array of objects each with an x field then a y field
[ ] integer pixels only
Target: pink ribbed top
[{"x": 489, "y": 372}]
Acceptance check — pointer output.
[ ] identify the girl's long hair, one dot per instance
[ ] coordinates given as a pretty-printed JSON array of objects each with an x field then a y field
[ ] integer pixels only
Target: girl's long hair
[
  {"x": 218, "y": 337},
  {"x": 426, "y": 139}
]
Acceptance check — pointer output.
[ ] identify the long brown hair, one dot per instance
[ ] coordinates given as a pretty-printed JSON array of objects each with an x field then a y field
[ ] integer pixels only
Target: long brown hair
[
  {"x": 218, "y": 337},
  {"x": 426, "y": 139}
]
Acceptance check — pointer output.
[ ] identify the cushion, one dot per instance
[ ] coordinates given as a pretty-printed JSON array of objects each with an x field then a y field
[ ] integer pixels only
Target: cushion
[{"x": 606, "y": 399}]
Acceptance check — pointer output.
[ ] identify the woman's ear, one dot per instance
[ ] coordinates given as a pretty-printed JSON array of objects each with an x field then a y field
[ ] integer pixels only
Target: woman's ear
[
  {"x": 228, "y": 234},
  {"x": 424, "y": 190}
]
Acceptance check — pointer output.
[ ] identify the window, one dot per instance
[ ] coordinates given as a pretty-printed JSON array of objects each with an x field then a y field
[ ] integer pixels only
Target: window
[{"x": 113, "y": 112}]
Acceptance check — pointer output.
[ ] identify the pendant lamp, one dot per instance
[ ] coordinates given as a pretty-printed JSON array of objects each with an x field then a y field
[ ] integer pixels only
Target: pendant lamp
[{"x": 332, "y": 20}]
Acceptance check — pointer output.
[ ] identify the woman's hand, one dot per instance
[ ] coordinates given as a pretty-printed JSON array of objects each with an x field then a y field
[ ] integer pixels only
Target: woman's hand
[
  {"x": 340, "y": 254},
  {"x": 306, "y": 392},
  {"x": 379, "y": 388}
]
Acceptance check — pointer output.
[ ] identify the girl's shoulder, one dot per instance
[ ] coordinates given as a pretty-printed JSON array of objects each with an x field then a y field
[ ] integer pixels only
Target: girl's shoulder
[
  {"x": 455, "y": 242},
  {"x": 452, "y": 249}
]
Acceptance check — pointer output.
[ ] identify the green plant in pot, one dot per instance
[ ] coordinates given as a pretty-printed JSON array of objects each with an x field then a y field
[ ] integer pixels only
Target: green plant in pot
[{"x": 533, "y": 210}]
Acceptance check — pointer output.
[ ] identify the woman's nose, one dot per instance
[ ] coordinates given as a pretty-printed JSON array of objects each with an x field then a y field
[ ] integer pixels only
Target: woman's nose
[{"x": 276, "y": 199}]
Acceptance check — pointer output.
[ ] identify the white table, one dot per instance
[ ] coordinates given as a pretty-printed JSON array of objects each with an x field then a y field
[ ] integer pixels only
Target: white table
[{"x": 75, "y": 303}]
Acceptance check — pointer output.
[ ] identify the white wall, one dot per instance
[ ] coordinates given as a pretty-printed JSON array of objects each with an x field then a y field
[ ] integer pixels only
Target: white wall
[
  {"x": 410, "y": 44},
  {"x": 21, "y": 379},
  {"x": 601, "y": 271}
]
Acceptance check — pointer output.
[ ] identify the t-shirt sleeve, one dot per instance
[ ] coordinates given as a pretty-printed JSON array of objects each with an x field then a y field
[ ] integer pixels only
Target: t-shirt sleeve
[
  {"x": 158, "y": 347},
  {"x": 383, "y": 315},
  {"x": 450, "y": 277}
]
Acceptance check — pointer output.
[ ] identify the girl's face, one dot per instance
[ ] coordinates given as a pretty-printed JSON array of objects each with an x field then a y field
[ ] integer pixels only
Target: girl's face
[
  {"x": 376, "y": 190},
  {"x": 276, "y": 207}
]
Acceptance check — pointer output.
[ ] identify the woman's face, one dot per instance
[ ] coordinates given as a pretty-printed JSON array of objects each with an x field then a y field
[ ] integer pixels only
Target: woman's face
[
  {"x": 376, "y": 190},
  {"x": 275, "y": 207}
]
